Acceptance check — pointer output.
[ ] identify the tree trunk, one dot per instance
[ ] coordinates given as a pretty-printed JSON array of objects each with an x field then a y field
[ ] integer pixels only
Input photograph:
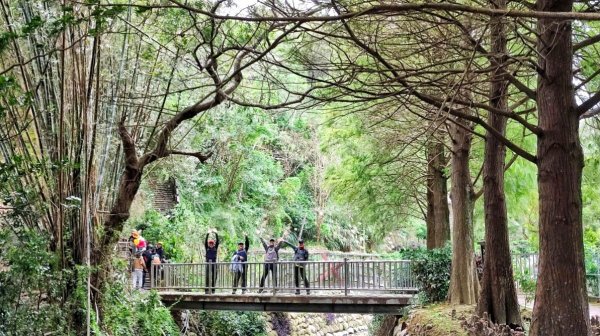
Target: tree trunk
[
  {"x": 464, "y": 286},
  {"x": 498, "y": 296},
  {"x": 438, "y": 223},
  {"x": 561, "y": 306}
]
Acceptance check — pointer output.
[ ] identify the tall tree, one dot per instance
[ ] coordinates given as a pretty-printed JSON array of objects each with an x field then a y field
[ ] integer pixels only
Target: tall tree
[
  {"x": 464, "y": 286},
  {"x": 561, "y": 306},
  {"x": 438, "y": 215},
  {"x": 498, "y": 297}
]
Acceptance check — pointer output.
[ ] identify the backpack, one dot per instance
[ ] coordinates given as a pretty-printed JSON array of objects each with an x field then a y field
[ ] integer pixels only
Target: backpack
[
  {"x": 271, "y": 254},
  {"x": 236, "y": 265}
]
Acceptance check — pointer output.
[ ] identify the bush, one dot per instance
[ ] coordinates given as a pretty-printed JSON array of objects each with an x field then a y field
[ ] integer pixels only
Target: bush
[
  {"x": 234, "y": 323},
  {"x": 527, "y": 284},
  {"x": 432, "y": 272},
  {"x": 32, "y": 286},
  {"x": 136, "y": 313}
]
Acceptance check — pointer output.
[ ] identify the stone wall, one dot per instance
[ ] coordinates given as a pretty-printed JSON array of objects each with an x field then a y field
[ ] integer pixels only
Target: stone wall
[{"x": 304, "y": 324}]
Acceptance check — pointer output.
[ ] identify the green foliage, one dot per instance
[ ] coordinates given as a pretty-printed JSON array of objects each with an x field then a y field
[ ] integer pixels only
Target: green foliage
[
  {"x": 432, "y": 272},
  {"x": 134, "y": 312},
  {"x": 366, "y": 179},
  {"x": 526, "y": 283},
  {"x": 259, "y": 178},
  {"x": 217, "y": 323},
  {"x": 169, "y": 231},
  {"x": 31, "y": 286},
  {"x": 376, "y": 323}
]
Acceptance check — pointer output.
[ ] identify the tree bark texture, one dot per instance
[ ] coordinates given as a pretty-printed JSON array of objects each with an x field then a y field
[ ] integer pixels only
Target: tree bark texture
[
  {"x": 561, "y": 306},
  {"x": 464, "y": 286},
  {"x": 498, "y": 296},
  {"x": 438, "y": 222}
]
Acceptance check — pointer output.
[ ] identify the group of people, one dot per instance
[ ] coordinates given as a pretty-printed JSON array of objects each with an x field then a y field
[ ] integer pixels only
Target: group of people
[
  {"x": 240, "y": 258},
  {"x": 145, "y": 256}
]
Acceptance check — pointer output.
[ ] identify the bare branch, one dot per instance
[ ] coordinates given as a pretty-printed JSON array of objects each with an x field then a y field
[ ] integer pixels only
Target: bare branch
[{"x": 201, "y": 156}]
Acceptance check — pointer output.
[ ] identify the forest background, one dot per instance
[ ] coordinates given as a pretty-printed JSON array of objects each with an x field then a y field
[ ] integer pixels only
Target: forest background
[{"x": 264, "y": 126}]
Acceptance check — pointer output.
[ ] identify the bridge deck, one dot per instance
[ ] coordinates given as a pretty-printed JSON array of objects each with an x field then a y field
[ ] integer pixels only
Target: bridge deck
[{"x": 284, "y": 302}]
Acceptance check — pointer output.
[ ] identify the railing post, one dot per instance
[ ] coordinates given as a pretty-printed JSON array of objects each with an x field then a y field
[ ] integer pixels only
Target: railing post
[
  {"x": 152, "y": 276},
  {"x": 274, "y": 275},
  {"x": 346, "y": 276}
]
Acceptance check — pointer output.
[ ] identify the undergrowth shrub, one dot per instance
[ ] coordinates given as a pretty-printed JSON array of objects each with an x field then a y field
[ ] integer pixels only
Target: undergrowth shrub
[
  {"x": 432, "y": 272},
  {"x": 135, "y": 313},
  {"x": 527, "y": 284},
  {"x": 32, "y": 286},
  {"x": 127, "y": 312},
  {"x": 234, "y": 323}
]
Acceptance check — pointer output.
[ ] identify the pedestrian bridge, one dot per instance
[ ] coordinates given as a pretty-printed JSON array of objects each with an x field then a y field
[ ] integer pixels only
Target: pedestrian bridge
[{"x": 344, "y": 286}]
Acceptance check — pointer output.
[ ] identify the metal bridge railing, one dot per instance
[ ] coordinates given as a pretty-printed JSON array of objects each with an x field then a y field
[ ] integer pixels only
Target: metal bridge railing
[
  {"x": 343, "y": 277},
  {"x": 526, "y": 266}
]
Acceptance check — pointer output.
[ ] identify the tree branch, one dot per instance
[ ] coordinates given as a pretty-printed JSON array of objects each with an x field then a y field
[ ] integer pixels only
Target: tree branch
[
  {"x": 588, "y": 104},
  {"x": 202, "y": 157},
  {"x": 587, "y": 42},
  {"x": 131, "y": 158}
]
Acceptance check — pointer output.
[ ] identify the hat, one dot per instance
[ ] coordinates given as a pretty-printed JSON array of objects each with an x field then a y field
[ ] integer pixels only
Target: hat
[
  {"x": 211, "y": 241},
  {"x": 300, "y": 241}
]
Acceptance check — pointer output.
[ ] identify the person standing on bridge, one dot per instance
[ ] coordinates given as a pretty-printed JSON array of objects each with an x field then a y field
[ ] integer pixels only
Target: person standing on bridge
[
  {"x": 160, "y": 251},
  {"x": 211, "y": 247},
  {"x": 271, "y": 258},
  {"x": 240, "y": 270},
  {"x": 139, "y": 266},
  {"x": 301, "y": 255}
]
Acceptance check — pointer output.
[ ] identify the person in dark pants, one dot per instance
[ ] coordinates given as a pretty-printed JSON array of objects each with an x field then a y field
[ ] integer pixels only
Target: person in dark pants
[
  {"x": 271, "y": 258},
  {"x": 242, "y": 257},
  {"x": 211, "y": 246},
  {"x": 147, "y": 255},
  {"x": 300, "y": 254}
]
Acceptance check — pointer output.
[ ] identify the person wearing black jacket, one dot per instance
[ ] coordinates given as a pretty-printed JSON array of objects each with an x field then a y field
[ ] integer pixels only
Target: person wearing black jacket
[
  {"x": 211, "y": 247},
  {"x": 242, "y": 256},
  {"x": 147, "y": 255},
  {"x": 160, "y": 251},
  {"x": 300, "y": 254}
]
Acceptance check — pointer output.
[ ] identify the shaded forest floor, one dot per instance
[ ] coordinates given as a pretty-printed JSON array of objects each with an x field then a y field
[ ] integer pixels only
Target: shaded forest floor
[{"x": 446, "y": 320}]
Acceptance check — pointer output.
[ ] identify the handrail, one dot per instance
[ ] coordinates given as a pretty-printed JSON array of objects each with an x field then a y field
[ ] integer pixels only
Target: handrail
[{"x": 343, "y": 276}]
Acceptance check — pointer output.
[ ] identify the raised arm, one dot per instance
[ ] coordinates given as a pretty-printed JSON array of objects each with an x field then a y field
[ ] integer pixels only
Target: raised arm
[
  {"x": 247, "y": 244},
  {"x": 264, "y": 243},
  {"x": 216, "y": 240},
  {"x": 206, "y": 242},
  {"x": 279, "y": 245},
  {"x": 289, "y": 244}
]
